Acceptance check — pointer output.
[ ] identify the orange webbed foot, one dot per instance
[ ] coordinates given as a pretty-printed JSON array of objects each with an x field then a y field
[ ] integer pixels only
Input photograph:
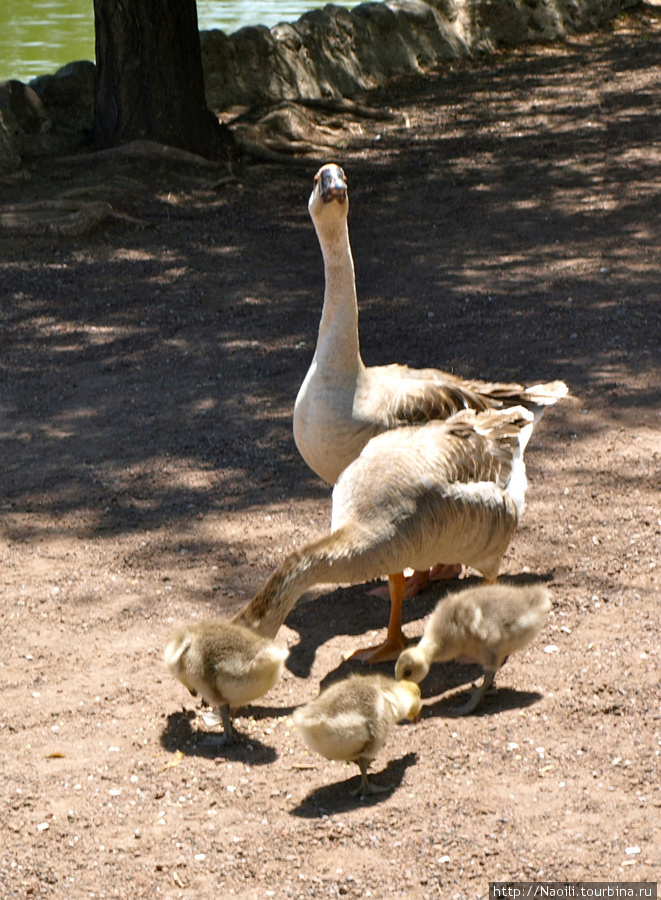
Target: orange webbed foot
[
  {"x": 442, "y": 572},
  {"x": 396, "y": 640},
  {"x": 387, "y": 651}
]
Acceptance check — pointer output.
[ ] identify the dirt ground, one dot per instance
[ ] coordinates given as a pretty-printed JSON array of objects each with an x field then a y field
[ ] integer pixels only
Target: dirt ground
[{"x": 507, "y": 227}]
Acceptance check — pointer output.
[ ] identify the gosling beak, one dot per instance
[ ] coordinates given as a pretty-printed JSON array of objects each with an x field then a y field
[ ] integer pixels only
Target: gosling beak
[{"x": 333, "y": 183}]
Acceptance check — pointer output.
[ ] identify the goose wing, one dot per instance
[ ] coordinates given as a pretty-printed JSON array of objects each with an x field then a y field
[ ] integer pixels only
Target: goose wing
[{"x": 413, "y": 396}]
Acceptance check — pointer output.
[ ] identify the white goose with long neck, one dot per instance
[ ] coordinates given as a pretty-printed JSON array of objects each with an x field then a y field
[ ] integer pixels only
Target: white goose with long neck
[
  {"x": 342, "y": 404},
  {"x": 327, "y": 427}
]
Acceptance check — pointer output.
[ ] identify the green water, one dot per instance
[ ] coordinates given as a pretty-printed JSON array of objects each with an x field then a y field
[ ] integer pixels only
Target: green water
[{"x": 39, "y": 36}]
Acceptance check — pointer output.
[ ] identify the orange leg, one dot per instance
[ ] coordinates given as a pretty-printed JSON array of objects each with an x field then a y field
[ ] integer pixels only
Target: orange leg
[
  {"x": 395, "y": 640},
  {"x": 420, "y": 579}
]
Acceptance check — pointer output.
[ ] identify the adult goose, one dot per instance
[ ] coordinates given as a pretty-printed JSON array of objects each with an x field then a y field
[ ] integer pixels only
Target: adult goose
[
  {"x": 343, "y": 403},
  {"x": 448, "y": 491}
]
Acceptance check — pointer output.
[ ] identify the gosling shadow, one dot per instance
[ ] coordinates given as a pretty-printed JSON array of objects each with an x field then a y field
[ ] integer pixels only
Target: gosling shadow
[
  {"x": 337, "y": 797},
  {"x": 493, "y": 702},
  {"x": 180, "y": 735},
  {"x": 270, "y": 712}
]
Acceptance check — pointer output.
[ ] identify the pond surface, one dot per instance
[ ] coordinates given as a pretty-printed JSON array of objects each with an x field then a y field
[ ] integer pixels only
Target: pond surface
[{"x": 39, "y": 36}]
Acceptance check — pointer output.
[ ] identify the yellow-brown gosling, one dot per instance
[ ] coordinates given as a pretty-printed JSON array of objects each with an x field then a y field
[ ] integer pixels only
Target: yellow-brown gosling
[
  {"x": 351, "y": 720},
  {"x": 227, "y": 664},
  {"x": 484, "y": 624}
]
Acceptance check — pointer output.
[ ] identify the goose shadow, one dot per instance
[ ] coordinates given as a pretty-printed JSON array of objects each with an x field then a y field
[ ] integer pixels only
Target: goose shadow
[
  {"x": 351, "y": 611},
  {"x": 443, "y": 677},
  {"x": 348, "y": 667},
  {"x": 354, "y": 612},
  {"x": 180, "y": 735},
  {"x": 337, "y": 797}
]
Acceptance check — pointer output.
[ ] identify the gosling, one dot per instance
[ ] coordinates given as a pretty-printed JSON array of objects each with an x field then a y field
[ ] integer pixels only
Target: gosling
[
  {"x": 227, "y": 664},
  {"x": 351, "y": 720},
  {"x": 484, "y": 624}
]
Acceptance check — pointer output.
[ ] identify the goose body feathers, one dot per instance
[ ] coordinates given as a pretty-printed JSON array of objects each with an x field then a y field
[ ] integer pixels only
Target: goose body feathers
[{"x": 448, "y": 490}]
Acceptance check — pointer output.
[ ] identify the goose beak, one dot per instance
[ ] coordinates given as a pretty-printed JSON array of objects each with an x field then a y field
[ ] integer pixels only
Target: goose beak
[{"x": 332, "y": 183}]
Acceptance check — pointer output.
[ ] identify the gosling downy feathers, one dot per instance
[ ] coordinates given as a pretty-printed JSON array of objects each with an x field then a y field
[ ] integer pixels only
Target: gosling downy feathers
[
  {"x": 227, "y": 664},
  {"x": 351, "y": 719},
  {"x": 446, "y": 491},
  {"x": 485, "y": 623},
  {"x": 342, "y": 403}
]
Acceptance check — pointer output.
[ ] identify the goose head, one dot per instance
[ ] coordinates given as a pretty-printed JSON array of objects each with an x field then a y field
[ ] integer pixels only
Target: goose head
[{"x": 329, "y": 201}]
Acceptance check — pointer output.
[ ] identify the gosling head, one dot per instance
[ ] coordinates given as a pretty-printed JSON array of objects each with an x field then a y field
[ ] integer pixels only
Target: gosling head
[
  {"x": 411, "y": 699},
  {"x": 412, "y": 665},
  {"x": 329, "y": 198}
]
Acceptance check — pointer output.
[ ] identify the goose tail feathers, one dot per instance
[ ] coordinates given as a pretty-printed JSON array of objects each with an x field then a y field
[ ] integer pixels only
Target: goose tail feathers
[{"x": 539, "y": 396}]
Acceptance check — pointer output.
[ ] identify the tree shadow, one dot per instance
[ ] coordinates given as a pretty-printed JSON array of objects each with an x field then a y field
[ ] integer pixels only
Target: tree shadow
[
  {"x": 337, "y": 797},
  {"x": 151, "y": 374}
]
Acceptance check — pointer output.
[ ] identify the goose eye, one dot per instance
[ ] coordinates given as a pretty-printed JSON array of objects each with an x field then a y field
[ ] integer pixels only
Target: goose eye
[{"x": 408, "y": 673}]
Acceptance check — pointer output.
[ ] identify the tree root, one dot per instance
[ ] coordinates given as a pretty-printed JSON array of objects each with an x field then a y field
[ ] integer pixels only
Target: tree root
[
  {"x": 67, "y": 218},
  {"x": 143, "y": 149}
]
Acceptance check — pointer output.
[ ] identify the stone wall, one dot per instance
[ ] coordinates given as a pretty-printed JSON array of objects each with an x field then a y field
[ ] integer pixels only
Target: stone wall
[
  {"x": 330, "y": 52},
  {"x": 335, "y": 52},
  {"x": 50, "y": 115}
]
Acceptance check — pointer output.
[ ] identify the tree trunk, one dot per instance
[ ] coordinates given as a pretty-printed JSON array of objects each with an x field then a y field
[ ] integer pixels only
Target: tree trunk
[{"x": 149, "y": 79}]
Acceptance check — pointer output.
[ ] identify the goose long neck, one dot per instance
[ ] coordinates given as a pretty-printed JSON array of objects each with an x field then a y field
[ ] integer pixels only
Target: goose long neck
[
  {"x": 330, "y": 559},
  {"x": 338, "y": 341}
]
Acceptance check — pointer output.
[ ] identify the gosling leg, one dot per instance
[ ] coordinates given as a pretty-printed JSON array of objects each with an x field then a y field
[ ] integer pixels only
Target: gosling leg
[
  {"x": 227, "y": 737},
  {"x": 365, "y": 787},
  {"x": 477, "y": 694}
]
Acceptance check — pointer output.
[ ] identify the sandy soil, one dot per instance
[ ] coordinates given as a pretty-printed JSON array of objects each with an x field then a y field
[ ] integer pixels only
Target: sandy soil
[{"x": 149, "y": 476}]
